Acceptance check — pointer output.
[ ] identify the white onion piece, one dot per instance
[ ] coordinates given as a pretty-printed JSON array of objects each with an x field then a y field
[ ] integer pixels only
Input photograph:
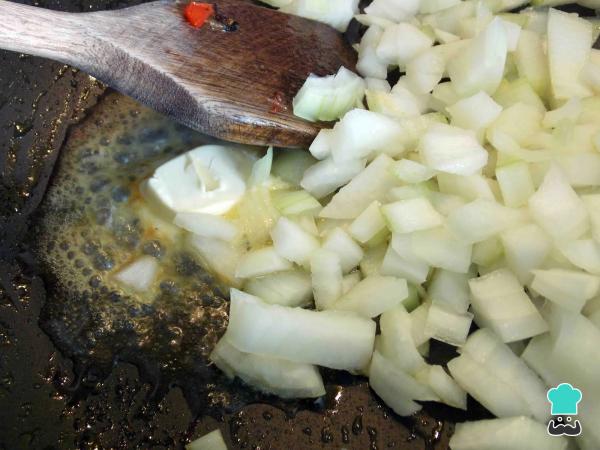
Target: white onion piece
[
  {"x": 327, "y": 278},
  {"x": 330, "y": 97},
  {"x": 340, "y": 243},
  {"x": 482, "y": 219},
  {"x": 446, "y": 325},
  {"x": 140, "y": 274},
  {"x": 569, "y": 44},
  {"x": 425, "y": 70},
  {"x": 211, "y": 441},
  {"x": 371, "y": 184},
  {"x": 450, "y": 289},
  {"x": 516, "y": 184},
  {"x": 394, "y": 387},
  {"x": 568, "y": 288},
  {"x": 394, "y": 10},
  {"x": 495, "y": 395},
  {"x": 373, "y": 296},
  {"x": 291, "y": 288},
  {"x": 411, "y": 215},
  {"x": 453, "y": 150},
  {"x": 445, "y": 387},
  {"x": 368, "y": 224},
  {"x": 360, "y": 132},
  {"x": 418, "y": 319},
  {"x": 438, "y": 247},
  {"x": 320, "y": 147},
  {"x": 292, "y": 242},
  {"x": 475, "y": 112},
  {"x": 499, "y": 302},
  {"x": 480, "y": 66},
  {"x": 326, "y": 176},
  {"x": 469, "y": 187},
  {"x": 513, "y": 433},
  {"x": 351, "y": 280},
  {"x": 525, "y": 249},
  {"x": 397, "y": 342},
  {"x": 532, "y": 62},
  {"x": 337, "y": 13},
  {"x": 261, "y": 262},
  {"x": 401, "y": 261},
  {"x": 485, "y": 348},
  {"x": 557, "y": 209},
  {"x": 584, "y": 253},
  {"x": 400, "y": 43},
  {"x": 410, "y": 171},
  {"x": 286, "y": 379},
  {"x": 222, "y": 257},
  {"x": 207, "y": 225},
  {"x": 335, "y": 339}
]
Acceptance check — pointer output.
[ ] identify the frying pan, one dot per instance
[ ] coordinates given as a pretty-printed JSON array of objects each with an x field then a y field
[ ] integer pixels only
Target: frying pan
[{"x": 68, "y": 383}]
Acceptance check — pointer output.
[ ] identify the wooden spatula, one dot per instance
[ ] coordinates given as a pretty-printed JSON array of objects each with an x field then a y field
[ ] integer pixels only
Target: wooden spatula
[{"x": 235, "y": 85}]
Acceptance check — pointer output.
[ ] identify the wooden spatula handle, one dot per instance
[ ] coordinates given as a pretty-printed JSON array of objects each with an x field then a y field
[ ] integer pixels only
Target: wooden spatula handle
[{"x": 42, "y": 32}]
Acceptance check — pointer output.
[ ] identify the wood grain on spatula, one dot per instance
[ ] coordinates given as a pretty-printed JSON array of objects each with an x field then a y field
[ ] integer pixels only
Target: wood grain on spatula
[{"x": 227, "y": 84}]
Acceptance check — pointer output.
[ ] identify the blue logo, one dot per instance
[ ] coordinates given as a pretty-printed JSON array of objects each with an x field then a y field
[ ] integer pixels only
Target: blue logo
[{"x": 564, "y": 399}]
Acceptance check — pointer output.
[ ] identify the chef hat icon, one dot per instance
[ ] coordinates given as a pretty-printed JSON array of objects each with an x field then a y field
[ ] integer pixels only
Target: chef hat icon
[{"x": 564, "y": 399}]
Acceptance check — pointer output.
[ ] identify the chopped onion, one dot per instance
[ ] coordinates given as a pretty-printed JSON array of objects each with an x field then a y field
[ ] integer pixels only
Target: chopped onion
[
  {"x": 327, "y": 278},
  {"x": 207, "y": 225},
  {"x": 409, "y": 171},
  {"x": 337, "y": 13},
  {"x": 569, "y": 44},
  {"x": 371, "y": 184},
  {"x": 496, "y": 396},
  {"x": 291, "y": 288},
  {"x": 396, "y": 388},
  {"x": 567, "y": 288},
  {"x": 401, "y": 261},
  {"x": 525, "y": 249},
  {"x": 373, "y": 295},
  {"x": 326, "y": 176},
  {"x": 485, "y": 348},
  {"x": 446, "y": 325},
  {"x": 140, "y": 274},
  {"x": 499, "y": 302},
  {"x": 292, "y": 242},
  {"x": 222, "y": 257},
  {"x": 401, "y": 42},
  {"x": 368, "y": 224},
  {"x": 295, "y": 202},
  {"x": 557, "y": 208},
  {"x": 335, "y": 339},
  {"x": 287, "y": 379},
  {"x": 512, "y": 433},
  {"x": 360, "y": 132},
  {"x": 261, "y": 262},
  {"x": 445, "y": 387},
  {"x": 330, "y": 97},
  {"x": 515, "y": 183},
  {"x": 440, "y": 248},
  {"x": 211, "y": 441},
  {"x": 482, "y": 219},
  {"x": 480, "y": 66},
  {"x": 475, "y": 112},
  {"x": 396, "y": 341},
  {"x": 411, "y": 215},
  {"x": 340, "y": 243},
  {"x": 453, "y": 150},
  {"x": 450, "y": 289}
]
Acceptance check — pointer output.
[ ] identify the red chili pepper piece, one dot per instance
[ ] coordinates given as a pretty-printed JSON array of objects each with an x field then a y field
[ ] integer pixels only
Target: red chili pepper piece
[{"x": 198, "y": 13}]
